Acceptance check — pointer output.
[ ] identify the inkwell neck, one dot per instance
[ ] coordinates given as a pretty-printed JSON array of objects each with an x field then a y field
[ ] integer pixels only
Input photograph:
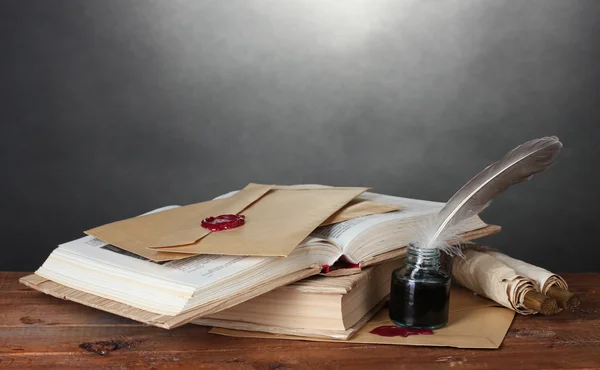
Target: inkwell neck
[{"x": 422, "y": 257}]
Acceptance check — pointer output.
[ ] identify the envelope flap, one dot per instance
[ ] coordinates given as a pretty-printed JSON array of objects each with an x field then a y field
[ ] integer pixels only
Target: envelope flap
[
  {"x": 359, "y": 207},
  {"x": 174, "y": 227}
]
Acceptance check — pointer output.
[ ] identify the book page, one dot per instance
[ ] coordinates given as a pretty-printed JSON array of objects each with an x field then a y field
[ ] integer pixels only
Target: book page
[
  {"x": 344, "y": 232},
  {"x": 196, "y": 271}
]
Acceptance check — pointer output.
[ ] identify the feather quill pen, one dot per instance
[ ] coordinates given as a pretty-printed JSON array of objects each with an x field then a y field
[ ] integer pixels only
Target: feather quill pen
[{"x": 518, "y": 165}]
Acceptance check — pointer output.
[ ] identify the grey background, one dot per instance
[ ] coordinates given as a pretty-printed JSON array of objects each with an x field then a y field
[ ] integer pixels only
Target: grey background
[{"x": 112, "y": 108}]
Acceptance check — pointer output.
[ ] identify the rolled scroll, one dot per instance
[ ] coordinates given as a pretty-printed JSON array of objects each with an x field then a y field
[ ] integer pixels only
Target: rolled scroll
[
  {"x": 545, "y": 281},
  {"x": 542, "y": 278},
  {"x": 520, "y": 286},
  {"x": 489, "y": 277}
]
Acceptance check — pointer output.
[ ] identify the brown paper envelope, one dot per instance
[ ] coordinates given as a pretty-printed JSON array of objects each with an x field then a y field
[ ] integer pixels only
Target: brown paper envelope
[
  {"x": 277, "y": 219},
  {"x": 474, "y": 322},
  {"x": 358, "y": 208},
  {"x": 355, "y": 208},
  {"x": 276, "y": 223},
  {"x": 176, "y": 226}
]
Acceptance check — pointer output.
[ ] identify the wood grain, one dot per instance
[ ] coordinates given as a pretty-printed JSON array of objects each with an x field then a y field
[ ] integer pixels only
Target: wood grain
[{"x": 39, "y": 331}]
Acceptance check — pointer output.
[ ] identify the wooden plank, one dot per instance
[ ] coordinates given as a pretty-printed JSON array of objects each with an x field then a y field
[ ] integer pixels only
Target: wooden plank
[
  {"x": 260, "y": 354},
  {"x": 54, "y": 330},
  {"x": 9, "y": 282},
  {"x": 18, "y": 309},
  {"x": 190, "y": 337}
]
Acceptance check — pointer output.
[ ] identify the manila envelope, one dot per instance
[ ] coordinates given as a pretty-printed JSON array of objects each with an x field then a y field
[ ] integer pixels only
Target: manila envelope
[
  {"x": 358, "y": 207},
  {"x": 278, "y": 218},
  {"x": 474, "y": 322}
]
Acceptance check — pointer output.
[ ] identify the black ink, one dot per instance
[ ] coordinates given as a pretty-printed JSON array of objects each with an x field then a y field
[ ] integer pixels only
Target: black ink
[{"x": 417, "y": 303}]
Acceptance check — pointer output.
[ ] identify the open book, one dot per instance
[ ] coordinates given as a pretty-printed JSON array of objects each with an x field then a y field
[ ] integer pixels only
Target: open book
[{"x": 168, "y": 294}]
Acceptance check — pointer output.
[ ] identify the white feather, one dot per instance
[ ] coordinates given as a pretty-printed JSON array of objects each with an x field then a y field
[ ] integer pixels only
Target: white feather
[{"x": 518, "y": 165}]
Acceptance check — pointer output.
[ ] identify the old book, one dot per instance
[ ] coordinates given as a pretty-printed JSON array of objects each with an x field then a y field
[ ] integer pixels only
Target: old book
[
  {"x": 168, "y": 294},
  {"x": 298, "y": 333},
  {"x": 318, "y": 304}
]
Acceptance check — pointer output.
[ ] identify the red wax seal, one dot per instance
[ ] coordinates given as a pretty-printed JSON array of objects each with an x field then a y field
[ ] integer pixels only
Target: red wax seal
[
  {"x": 395, "y": 331},
  {"x": 325, "y": 269},
  {"x": 223, "y": 222}
]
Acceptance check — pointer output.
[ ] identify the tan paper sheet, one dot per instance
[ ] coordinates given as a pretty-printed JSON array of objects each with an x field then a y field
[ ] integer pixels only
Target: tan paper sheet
[
  {"x": 474, "y": 322},
  {"x": 277, "y": 220}
]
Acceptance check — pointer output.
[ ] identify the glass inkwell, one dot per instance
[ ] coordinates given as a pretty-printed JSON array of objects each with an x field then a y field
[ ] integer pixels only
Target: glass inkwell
[{"x": 420, "y": 290}]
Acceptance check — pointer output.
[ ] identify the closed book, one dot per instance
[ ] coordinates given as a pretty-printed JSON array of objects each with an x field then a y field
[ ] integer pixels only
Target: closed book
[{"x": 319, "y": 304}]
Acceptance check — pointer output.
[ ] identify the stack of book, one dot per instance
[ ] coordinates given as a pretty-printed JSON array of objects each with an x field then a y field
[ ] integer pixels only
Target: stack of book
[{"x": 163, "y": 269}]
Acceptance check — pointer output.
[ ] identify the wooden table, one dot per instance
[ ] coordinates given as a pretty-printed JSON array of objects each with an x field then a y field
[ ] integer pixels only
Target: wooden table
[{"x": 38, "y": 331}]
